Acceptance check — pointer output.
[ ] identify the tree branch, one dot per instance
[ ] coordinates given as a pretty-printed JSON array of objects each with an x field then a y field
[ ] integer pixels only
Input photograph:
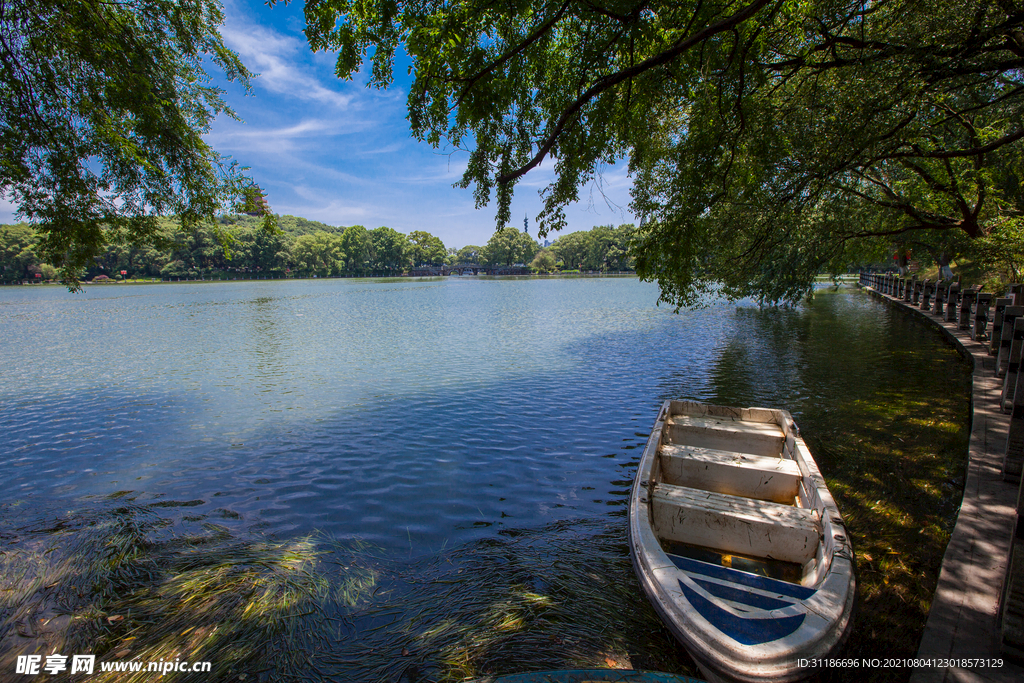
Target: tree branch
[
  {"x": 532, "y": 38},
  {"x": 607, "y": 82},
  {"x": 950, "y": 154}
]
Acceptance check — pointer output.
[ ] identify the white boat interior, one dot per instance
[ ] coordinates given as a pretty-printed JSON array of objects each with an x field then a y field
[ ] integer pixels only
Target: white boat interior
[{"x": 738, "y": 543}]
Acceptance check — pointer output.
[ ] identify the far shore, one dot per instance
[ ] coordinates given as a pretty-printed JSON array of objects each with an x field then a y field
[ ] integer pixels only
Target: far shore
[{"x": 164, "y": 281}]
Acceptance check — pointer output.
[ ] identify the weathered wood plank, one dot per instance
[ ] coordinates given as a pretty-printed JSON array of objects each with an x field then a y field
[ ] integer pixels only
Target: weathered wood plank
[
  {"x": 732, "y": 473},
  {"x": 758, "y": 438},
  {"x": 733, "y": 524}
]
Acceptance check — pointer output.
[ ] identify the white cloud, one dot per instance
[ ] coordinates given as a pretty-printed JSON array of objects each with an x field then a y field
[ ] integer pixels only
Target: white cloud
[
  {"x": 234, "y": 136},
  {"x": 386, "y": 149},
  {"x": 449, "y": 171},
  {"x": 333, "y": 212},
  {"x": 274, "y": 57}
]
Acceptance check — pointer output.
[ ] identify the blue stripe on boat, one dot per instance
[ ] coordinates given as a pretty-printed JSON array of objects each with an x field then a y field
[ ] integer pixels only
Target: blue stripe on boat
[
  {"x": 741, "y": 596},
  {"x": 743, "y": 631},
  {"x": 743, "y": 578}
]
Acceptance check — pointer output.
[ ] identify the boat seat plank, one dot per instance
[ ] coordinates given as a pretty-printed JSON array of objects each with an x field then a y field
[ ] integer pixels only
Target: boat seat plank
[
  {"x": 734, "y": 524},
  {"x": 758, "y": 438},
  {"x": 730, "y": 472}
]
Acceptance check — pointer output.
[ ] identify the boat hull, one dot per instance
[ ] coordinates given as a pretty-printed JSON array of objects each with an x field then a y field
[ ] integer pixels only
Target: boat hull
[{"x": 740, "y": 625}]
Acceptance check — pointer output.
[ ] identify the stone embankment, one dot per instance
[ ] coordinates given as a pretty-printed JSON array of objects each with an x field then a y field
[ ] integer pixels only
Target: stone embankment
[{"x": 977, "y": 613}]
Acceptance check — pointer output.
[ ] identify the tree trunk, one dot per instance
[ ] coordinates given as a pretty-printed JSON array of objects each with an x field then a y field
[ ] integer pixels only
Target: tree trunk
[{"x": 945, "y": 272}]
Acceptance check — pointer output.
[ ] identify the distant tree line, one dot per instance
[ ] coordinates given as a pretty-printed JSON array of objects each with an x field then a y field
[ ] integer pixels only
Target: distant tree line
[
  {"x": 240, "y": 246},
  {"x": 603, "y": 248}
]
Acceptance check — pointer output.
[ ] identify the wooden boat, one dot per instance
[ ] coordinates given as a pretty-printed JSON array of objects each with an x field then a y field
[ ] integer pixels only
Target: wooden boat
[{"x": 738, "y": 543}]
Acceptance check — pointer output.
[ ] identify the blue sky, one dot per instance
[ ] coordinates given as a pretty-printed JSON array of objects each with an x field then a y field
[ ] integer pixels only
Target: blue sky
[{"x": 338, "y": 152}]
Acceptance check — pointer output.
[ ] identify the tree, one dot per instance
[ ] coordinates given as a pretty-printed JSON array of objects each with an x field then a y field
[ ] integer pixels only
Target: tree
[
  {"x": 319, "y": 253},
  {"x": 104, "y": 109},
  {"x": 258, "y": 250},
  {"x": 1004, "y": 247},
  {"x": 426, "y": 248},
  {"x": 17, "y": 251},
  {"x": 572, "y": 249},
  {"x": 508, "y": 246},
  {"x": 607, "y": 248},
  {"x": 543, "y": 262},
  {"x": 468, "y": 254},
  {"x": 391, "y": 250},
  {"x": 357, "y": 250},
  {"x": 768, "y": 140}
]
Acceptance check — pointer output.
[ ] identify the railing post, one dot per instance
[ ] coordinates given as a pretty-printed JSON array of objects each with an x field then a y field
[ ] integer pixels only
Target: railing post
[
  {"x": 1013, "y": 459},
  {"x": 926, "y": 294},
  {"x": 997, "y": 323},
  {"x": 908, "y": 291},
  {"x": 1016, "y": 291},
  {"x": 966, "y": 302},
  {"x": 1011, "y": 604},
  {"x": 983, "y": 302},
  {"x": 1013, "y": 368},
  {"x": 940, "y": 297},
  {"x": 952, "y": 301},
  {"x": 1010, "y": 315}
]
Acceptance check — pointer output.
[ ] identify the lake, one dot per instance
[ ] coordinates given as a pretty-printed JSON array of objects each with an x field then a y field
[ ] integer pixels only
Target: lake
[{"x": 487, "y": 427}]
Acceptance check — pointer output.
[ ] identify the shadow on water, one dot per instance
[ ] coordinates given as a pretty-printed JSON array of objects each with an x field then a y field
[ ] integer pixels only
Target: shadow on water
[
  {"x": 884, "y": 405},
  {"x": 563, "y": 596}
]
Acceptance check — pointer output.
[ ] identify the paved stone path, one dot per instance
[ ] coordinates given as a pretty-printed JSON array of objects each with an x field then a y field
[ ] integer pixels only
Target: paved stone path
[{"x": 962, "y": 622}]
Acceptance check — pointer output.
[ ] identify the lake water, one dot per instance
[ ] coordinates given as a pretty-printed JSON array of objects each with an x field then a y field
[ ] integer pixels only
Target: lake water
[
  {"x": 420, "y": 417},
  {"x": 419, "y": 412}
]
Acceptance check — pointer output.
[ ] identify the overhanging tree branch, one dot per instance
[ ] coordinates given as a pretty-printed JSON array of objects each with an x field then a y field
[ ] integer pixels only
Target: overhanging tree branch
[
  {"x": 954, "y": 153},
  {"x": 607, "y": 82},
  {"x": 532, "y": 38}
]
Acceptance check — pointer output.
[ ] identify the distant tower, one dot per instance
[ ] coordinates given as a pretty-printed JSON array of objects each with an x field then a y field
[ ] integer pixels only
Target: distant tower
[{"x": 526, "y": 224}]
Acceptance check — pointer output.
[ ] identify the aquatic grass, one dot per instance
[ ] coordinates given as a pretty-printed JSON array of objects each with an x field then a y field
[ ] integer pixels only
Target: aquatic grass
[
  {"x": 562, "y": 596},
  {"x": 899, "y": 491},
  {"x": 896, "y": 465},
  {"x": 252, "y": 607}
]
